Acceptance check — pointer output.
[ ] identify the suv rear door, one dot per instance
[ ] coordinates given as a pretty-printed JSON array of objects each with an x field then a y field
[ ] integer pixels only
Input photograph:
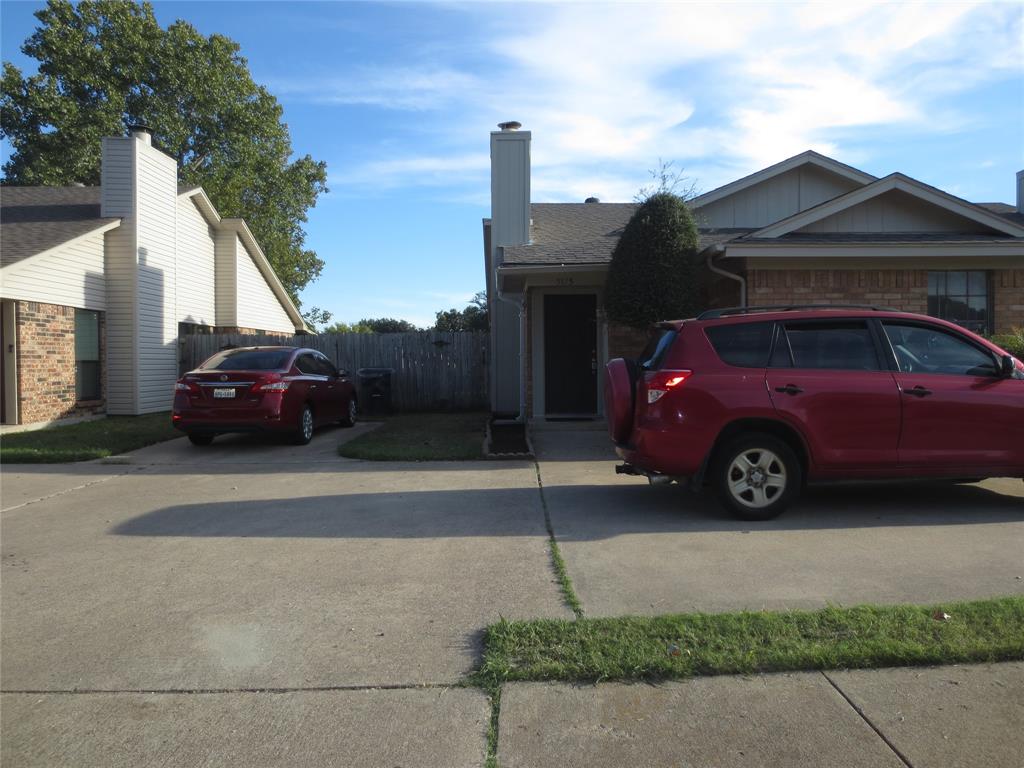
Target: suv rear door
[
  {"x": 958, "y": 410},
  {"x": 828, "y": 379}
]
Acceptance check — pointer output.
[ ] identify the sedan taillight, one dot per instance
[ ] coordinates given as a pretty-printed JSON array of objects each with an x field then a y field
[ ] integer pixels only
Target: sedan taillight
[{"x": 274, "y": 386}]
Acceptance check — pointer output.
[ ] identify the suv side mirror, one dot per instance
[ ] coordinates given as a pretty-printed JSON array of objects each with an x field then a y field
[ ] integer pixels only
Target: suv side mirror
[{"x": 1006, "y": 366}]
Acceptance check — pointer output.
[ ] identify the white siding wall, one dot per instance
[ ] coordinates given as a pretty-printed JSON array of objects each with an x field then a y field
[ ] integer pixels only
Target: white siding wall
[
  {"x": 258, "y": 307},
  {"x": 71, "y": 276},
  {"x": 119, "y": 267},
  {"x": 156, "y": 208},
  {"x": 775, "y": 199},
  {"x": 895, "y": 211},
  {"x": 195, "y": 300}
]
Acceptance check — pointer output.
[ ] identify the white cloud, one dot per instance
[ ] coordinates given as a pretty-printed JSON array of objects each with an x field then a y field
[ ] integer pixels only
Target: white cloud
[{"x": 728, "y": 88}]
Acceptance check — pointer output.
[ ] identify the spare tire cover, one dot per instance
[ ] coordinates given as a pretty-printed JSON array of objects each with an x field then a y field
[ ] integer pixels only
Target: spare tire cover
[{"x": 618, "y": 400}]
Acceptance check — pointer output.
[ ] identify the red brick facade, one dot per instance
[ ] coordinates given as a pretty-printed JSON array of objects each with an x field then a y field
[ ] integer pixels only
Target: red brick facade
[
  {"x": 905, "y": 289},
  {"x": 46, "y": 364},
  {"x": 624, "y": 341}
]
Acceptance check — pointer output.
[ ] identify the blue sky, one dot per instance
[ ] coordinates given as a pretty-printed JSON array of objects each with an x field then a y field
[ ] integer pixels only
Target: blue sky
[{"x": 399, "y": 99}]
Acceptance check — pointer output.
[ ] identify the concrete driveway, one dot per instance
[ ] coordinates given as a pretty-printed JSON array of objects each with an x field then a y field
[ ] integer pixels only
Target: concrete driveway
[
  {"x": 252, "y": 567},
  {"x": 636, "y": 549}
]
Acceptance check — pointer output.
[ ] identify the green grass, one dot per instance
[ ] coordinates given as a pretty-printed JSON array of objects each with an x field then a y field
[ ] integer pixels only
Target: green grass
[
  {"x": 87, "y": 440},
  {"x": 421, "y": 437},
  {"x": 685, "y": 645},
  {"x": 557, "y": 561}
]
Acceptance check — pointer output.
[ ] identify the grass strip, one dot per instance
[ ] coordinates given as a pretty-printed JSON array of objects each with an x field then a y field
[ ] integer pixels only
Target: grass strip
[
  {"x": 491, "y": 758},
  {"x": 686, "y": 645},
  {"x": 86, "y": 440},
  {"x": 561, "y": 571},
  {"x": 421, "y": 437}
]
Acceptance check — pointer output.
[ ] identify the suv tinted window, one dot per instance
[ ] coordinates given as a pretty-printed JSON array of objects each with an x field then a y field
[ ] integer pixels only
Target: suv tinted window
[
  {"x": 248, "y": 360},
  {"x": 839, "y": 345},
  {"x": 924, "y": 349},
  {"x": 650, "y": 358},
  {"x": 744, "y": 345}
]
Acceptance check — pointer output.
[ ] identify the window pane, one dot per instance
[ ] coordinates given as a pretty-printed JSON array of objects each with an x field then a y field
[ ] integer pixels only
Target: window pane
[
  {"x": 650, "y": 358},
  {"x": 936, "y": 283},
  {"x": 921, "y": 349},
  {"x": 745, "y": 345},
  {"x": 977, "y": 307},
  {"x": 87, "y": 335},
  {"x": 307, "y": 364},
  {"x": 977, "y": 285},
  {"x": 248, "y": 360},
  {"x": 955, "y": 309},
  {"x": 956, "y": 282},
  {"x": 842, "y": 346},
  {"x": 87, "y": 380}
]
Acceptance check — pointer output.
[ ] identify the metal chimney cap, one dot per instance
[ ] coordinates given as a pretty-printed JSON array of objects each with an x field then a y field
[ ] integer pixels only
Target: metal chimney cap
[
  {"x": 511, "y": 125},
  {"x": 140, "y": 128},
  {"x": 592, "y": 200}
]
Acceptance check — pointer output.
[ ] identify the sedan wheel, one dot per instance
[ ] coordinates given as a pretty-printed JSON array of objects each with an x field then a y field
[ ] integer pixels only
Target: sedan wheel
[
  {"x": 349, "y": 419},
  {"x": 757, "y": 477},
  {"x": 305, "y": 431}
]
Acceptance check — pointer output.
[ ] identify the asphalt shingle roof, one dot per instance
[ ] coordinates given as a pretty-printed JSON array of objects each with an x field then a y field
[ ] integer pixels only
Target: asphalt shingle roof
[
  {"x": 35, "y": 219},
  {"x": 584, "y": 233}
]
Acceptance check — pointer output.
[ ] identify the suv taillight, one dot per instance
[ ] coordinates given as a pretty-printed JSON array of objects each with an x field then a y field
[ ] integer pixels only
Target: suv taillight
[{"x": 659, "y": 383}]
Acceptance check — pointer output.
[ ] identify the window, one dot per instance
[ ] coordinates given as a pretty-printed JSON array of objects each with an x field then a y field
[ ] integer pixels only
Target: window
[
  {"x": 744, "y": 345},
  {"x": 325, "y": 367},
  {"x": 924, "y": 349},
  {"x": 650, "y": 358},
  {"x": 88, "y": 384},
  {"x": 248, "y": 360},
  {"x": 841, "y": 345},
  {"x": 308, "y": 364},
  {"x": 960, "y": 297}
]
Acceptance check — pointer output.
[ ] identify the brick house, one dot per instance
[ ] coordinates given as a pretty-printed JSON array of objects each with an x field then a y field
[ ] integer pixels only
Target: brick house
[
  {"x": 807, "y": 230},
  {"x": 97, "y": 283}
]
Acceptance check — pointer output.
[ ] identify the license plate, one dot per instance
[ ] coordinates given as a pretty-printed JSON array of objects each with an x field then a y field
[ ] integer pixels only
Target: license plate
[{"x": 219, "y": 393}]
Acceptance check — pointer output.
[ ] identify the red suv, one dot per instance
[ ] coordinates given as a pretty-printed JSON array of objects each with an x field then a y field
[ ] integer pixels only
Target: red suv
[
  {"x": 757, "y": 402},
  {"x": 263, "y": 389}
]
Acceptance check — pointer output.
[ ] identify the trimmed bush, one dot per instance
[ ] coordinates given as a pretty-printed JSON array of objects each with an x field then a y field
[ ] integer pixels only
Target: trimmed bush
[
  {"x": 652, "y": 276},
  {"x": 1012, "y": 342}
]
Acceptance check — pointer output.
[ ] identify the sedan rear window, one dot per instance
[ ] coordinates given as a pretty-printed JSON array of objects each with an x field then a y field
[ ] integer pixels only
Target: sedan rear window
[
  {"x": 744, "y": 345},
  {"x": 248, "y": 360}
]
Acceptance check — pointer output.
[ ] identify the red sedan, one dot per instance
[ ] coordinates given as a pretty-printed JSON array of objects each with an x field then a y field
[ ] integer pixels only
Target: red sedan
[{"x": 263, "y": 389}]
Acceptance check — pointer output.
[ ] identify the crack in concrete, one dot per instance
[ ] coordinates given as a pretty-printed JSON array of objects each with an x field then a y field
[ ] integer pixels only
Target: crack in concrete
[
  {"x": 866, "y": 719},
  {"x": 70, "y": 490},
  {"x": 208, "y": 691}
]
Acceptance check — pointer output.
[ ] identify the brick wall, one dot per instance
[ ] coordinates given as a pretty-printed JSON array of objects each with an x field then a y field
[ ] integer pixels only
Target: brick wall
[
  {"x": 1008, "y": 299},
  {"x": 46, "y": 363},
  {"x": 905, "y": 289},
  {"x": 624, "y": 341}
]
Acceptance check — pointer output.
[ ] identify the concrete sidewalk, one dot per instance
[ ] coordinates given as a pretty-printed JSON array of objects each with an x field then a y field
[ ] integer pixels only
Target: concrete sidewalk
[{"x": 940, "y": 717}]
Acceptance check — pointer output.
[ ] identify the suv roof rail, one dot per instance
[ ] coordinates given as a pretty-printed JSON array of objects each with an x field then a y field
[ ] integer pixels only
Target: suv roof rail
[{"x": 714, "y": 314}]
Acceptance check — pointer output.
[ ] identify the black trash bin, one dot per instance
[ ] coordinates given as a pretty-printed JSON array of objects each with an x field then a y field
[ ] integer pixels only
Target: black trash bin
[{"x": 375, "y": 389}]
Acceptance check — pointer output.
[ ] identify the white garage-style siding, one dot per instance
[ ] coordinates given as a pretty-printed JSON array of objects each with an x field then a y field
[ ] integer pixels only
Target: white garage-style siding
[
  {"x": 195, "y": 282},
  {"x": 258, "y": 307},
  {"x": 71, "y": 275}
]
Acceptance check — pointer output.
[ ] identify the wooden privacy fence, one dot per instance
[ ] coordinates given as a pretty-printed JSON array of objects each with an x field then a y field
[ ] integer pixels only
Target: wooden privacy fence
[{"x": 432, "y": 371}]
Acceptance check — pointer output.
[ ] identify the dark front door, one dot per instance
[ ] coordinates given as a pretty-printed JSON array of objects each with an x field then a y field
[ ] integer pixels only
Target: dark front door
[{"x": 570, "y": 355}]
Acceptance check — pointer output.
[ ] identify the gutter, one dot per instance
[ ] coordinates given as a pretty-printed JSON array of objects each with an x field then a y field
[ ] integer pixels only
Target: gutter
[{"x": 717, "y": 250}]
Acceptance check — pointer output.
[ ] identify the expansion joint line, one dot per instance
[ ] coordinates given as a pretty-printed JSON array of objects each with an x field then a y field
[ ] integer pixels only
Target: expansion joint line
[
  {"x": 557, "y": 562},
  {"x": 867, "y": 720}
]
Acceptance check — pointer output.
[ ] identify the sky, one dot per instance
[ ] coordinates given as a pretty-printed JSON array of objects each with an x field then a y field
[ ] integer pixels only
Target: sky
[{"x": 399, "y": 100}]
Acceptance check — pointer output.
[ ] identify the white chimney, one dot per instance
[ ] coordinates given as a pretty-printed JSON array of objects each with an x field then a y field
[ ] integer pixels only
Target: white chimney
[
  {"x": 510, "y": 187},
  {"x": 1020, "y": 191},
  {"x": 141, "y": 132}
]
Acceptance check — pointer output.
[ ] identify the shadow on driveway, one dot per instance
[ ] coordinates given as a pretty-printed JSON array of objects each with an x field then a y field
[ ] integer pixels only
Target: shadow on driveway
[{"x": 579, "y": 512}]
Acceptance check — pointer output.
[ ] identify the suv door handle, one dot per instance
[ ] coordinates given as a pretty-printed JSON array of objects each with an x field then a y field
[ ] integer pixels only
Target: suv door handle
[
  {"x": 917, "y": 391},
  {"x": 789, "y": 389}
]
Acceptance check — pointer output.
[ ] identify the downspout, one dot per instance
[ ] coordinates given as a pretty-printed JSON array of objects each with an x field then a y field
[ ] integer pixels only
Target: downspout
[
  {"x": 521, "y": 418},
  {"x": 717, "y": 250}
]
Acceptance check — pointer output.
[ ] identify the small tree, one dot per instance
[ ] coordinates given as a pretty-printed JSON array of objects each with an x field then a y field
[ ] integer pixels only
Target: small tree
[{"x": 652, "y": 275}]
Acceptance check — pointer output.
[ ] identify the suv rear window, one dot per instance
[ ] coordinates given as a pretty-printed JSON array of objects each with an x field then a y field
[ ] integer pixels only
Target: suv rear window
[
  {"x": 744, "y": 345},
  {"x": 650, "y": 359},
  {"x": 248, "y": 360}
]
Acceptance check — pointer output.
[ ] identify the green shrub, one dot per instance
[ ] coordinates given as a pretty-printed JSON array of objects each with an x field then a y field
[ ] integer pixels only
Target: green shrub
[
  {"x": 1012, "y": 342},
  {"x": 652, "y": 276}
]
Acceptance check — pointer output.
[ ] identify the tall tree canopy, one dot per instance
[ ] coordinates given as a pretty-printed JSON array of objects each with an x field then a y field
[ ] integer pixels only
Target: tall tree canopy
[
  {"x": 652, "y": 275},
  {"x": 107, "y": 63},
  {"x": 472, "y": 318}
]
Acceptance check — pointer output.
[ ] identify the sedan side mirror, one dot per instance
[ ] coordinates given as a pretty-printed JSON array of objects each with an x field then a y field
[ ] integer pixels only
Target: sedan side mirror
[
  {"x": 342, "y": 373},
  {"x": 1006, "y": 366}
]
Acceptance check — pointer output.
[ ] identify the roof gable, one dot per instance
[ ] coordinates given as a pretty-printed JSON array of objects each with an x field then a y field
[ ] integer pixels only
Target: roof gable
[
  {"x": 808, "y": 158},
  {"x": 895, "y": 203}
]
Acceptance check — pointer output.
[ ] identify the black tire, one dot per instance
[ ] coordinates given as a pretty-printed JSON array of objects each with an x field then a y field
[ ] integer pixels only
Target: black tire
[
  {"x": 772, "y": 479},
  {"x": 304, "y": 428},
  {"x": 350, "y": 415},
  {"x": 199, "y": 438}
]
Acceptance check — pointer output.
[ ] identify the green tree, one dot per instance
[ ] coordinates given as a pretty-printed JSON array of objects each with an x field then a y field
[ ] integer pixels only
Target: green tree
[
  {"x": 103, "y": 64},
  {"x": 652, "y": 275},
  {"x": 388, "y": 325},
  {"x": 340, "y": 327},
  {"x": 472, "y": 318}
]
